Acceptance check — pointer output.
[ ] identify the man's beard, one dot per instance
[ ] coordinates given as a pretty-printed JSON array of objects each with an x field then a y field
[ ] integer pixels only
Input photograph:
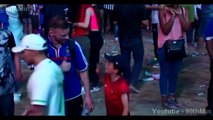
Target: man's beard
[{"x": 61, "y": 41}]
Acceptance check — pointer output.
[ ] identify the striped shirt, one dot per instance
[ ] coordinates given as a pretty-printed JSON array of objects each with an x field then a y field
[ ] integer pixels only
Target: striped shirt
[{"x": 109, "y": 6}]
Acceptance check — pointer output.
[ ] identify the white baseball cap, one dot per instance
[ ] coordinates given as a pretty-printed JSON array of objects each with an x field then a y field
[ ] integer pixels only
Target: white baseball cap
[{"x": 31, "y": 42}]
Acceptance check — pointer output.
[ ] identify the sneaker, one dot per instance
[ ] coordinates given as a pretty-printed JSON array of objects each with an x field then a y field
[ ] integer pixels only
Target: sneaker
[
  {"x": 174, "y": 102},
  {"x": 31, "y": 67},
  {"x": 95, "y": 89},
  {"x": 156, "y": 76},
  {"x": 82, "y": 90},
  {"x": 168, "y": 105},
  {"x": 22, "y": 61},
  {"x": 195, "y": 54},
  {"x": 131, "y": 87},
  {"x": 156, "y": 65},
  {"x": 17, "y": 97},
  {"x": 148, "y": 79},
  {"x": 147, "y": 73},
  {"x": 203, "y": 53}
]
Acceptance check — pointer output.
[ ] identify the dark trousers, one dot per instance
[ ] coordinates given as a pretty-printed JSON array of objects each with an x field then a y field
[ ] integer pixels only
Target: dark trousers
[
  {"x": 196, "y": 27},
  {"x": 189, "y": 34},
  {"x": 135, "y": 46},
  {"x": 74, "y": 107},
  {"x": 7, "y": 105},
  {"x": 108, "y": 13},
  {"x": 155, "y": 38},
  {"x": 210, "y": 90},
  {"x": 96, "y": 42},
  {"x": 35, "y": 23}
]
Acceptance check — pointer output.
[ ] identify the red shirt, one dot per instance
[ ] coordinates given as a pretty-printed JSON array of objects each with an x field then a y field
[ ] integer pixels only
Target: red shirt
[
  {"x": 78, "y": 31},
  {"x": 113, "y": 92}
]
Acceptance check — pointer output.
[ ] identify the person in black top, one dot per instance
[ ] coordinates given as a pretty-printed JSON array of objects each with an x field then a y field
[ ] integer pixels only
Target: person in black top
[
  {"x": 9, "y": 61},
  {"x": 129, "y": 18}
]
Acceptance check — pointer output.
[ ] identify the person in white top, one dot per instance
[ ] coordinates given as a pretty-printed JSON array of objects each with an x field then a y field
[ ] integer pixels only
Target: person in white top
[
  {"x": 15, "y": 22},
  {"x": 45, "y": 85}
]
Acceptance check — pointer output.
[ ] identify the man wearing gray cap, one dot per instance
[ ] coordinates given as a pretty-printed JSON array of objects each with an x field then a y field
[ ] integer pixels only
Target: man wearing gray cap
[{"x": 45, "y": 85}]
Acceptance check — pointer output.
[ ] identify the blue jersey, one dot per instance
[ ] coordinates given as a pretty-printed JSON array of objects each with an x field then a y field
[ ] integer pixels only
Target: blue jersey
[
  {"x": 209, "y": 30},
  {"x": 4, "y": 18},
  {"x": 72, "y": 84}
]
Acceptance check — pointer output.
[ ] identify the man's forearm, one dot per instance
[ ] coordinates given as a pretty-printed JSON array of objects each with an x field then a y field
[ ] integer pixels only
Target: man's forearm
[
  {"x": 35, "y": 110},
  {"x": 17, "y": 62},
  {"x": 85, "y": 80}
]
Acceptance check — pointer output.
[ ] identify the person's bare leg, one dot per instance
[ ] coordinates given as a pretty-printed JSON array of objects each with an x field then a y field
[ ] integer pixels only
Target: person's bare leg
[
  {"x": 209, "y": 45},
  {"x": 134, "y": 89},
  {"x": 200, "y": 44},
  {"x": 30, "y": 27}
]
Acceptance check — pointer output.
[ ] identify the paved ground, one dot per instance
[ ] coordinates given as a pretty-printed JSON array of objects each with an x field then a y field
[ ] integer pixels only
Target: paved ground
[{"x": 193, "y": 80}]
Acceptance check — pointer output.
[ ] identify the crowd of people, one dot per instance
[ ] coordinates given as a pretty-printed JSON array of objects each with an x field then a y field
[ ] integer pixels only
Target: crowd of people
[{"x": 62, "y": 44}]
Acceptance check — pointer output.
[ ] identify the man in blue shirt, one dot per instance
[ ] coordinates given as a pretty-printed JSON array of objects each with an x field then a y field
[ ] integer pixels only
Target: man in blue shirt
[
  {"x": 74, "y": 68},
  {"x": 209, "y": 46},
  {"x": 3, "y": 18}
]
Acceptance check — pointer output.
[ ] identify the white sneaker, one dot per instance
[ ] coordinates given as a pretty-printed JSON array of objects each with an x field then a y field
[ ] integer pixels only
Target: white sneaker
[
  {"x": 22, "y": 61},
  {"x": 82, "y": 90},
  {"x": 95, "y": 89},
  {"x": 148, "y": 79},
  {"x": 156, "y": 76},
  {"x": 131, "y": 87},
  {"x": 147, "y": 73},
  {"x": 156, "y": 65},
  {"x": 17, "y": 97}
]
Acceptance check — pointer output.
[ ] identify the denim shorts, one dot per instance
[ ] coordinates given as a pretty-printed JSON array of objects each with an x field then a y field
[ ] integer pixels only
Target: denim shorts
[{"x": 203, "y": 26}]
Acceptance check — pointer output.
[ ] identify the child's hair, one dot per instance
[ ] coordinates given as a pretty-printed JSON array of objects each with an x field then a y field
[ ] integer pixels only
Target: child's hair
[
  {"x": 117, "y": 60},
  {"x": 116, "y": 67}
]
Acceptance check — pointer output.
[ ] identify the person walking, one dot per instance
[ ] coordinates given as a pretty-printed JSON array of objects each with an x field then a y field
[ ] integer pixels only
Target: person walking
[
  {"x": 129, "y": 18},
  {"x": 45, "y": 84}
]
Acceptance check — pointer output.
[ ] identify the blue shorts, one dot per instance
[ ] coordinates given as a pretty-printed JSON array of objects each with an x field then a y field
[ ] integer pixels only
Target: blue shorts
[
  {"x": 202, "y": 26},
  {"x": 209, "y": 30}
]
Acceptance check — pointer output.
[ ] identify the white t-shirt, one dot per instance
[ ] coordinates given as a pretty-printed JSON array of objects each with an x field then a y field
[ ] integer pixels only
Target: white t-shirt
[
  {"x": 45, "y": 87},
  {"x": 154, "y": 13}
]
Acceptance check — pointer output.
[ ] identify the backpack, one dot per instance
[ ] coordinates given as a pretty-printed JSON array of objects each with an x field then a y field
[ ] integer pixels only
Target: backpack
[
  {"x": 72, "y": 48},
  {"x": 4, "y": 54}
]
